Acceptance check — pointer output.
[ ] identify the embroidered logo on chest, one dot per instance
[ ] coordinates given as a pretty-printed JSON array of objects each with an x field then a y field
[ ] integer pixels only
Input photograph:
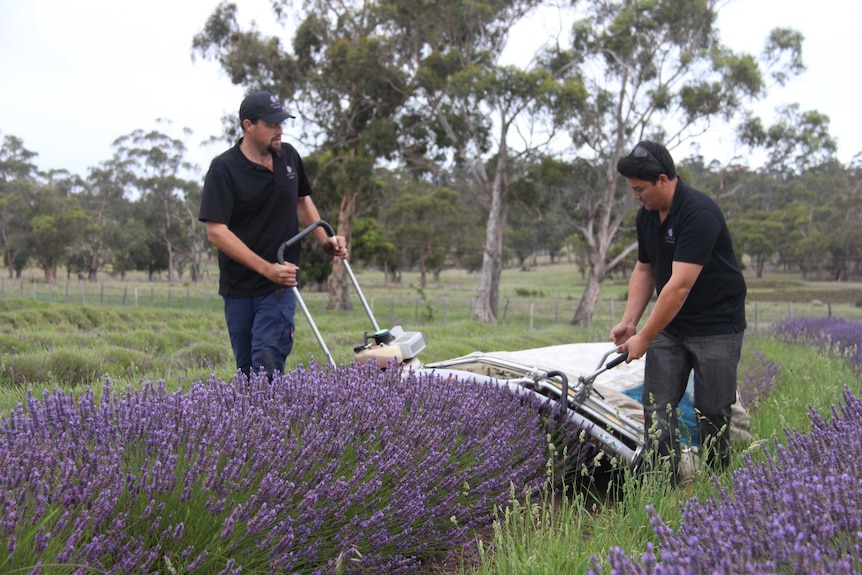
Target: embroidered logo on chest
[
  {"x": 669, "y": 238},
  {"x": 291, "y": 173}
]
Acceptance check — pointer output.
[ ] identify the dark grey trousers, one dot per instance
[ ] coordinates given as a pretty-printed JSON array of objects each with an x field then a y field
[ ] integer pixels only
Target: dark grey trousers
[{"x": 669, "y": 361}]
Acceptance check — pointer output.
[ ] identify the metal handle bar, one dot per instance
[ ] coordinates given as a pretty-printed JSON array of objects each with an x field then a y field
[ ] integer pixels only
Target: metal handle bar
[
  {"x": 564, "y": 394},
  {"x": 585, "y": 383},
  {"x": 302, "y": 234},
  {"x": 330, "y": 233}
]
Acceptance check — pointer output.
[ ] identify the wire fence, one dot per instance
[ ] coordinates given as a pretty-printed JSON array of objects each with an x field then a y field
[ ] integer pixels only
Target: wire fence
[{"x": 388, "y": 306}]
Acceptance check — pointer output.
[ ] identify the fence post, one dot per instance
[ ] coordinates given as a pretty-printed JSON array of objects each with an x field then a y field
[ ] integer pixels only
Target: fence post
[
  {"x": 532, "y": 308},
  {"x": 125, "y": 293}
]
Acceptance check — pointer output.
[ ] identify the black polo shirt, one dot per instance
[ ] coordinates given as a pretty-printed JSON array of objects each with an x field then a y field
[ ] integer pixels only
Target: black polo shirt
[
  {"x": 259, "y": 206},
  {"x": 695, "y": 231}
]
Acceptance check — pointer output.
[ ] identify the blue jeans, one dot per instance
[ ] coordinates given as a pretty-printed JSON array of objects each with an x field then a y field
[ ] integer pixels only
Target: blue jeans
[
  {"x": 261, "y": 330},
  {"x": 669, "y": 361}
]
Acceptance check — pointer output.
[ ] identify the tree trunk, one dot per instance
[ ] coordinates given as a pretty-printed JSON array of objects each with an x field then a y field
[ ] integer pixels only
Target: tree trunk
[
  {"x": 598, "y": 236},
  {"x": 195, "y": 253},
  {"x": 93, "y": 262},
  {"x": 423, "y": 272},
  {"x": 339, "y": 283},
  {"x": 487, "y": 300},
  {"x": 589, "y": 299}
]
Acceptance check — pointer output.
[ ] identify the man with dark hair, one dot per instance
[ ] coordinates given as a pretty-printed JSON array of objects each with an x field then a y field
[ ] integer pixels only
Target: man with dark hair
[
  {"x": 255, "y": 197},
  {"x": 686, "y": 257}
]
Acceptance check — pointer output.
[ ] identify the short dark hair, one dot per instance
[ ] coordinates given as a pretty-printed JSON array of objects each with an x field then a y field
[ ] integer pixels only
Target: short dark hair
[{"x": 647, "y": 161}]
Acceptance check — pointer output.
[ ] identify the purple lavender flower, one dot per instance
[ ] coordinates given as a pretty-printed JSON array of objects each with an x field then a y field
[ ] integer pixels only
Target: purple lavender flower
[
  {"x": 260, "y": 476},
  {"x": 841, "y": 336},
  {"x": 799, "y": 511},
  {"x": 758, "y": 379}
]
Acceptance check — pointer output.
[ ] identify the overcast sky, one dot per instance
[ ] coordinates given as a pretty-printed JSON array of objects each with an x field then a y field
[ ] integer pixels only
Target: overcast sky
[{"x": 76, "y": 75}]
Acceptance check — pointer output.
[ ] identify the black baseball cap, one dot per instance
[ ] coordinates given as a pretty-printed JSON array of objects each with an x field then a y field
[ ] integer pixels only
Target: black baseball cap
[{"x": 262, "y": 105}]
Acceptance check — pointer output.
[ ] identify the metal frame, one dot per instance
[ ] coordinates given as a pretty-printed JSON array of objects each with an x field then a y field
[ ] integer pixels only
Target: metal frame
[
  {"x": 617, "y": 433},
  {"x": 330, "y": 233}
]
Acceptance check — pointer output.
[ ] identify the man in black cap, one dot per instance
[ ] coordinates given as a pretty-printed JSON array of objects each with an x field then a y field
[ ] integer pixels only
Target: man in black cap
[
  {"x": 255, "y": 197},
  {"x": 685, "y": 255}
]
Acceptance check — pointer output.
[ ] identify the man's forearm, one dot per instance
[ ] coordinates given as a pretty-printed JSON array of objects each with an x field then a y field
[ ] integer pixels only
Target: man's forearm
[
  {"x": 641, "y": 288},
  {"x": 672, "y": 297}
]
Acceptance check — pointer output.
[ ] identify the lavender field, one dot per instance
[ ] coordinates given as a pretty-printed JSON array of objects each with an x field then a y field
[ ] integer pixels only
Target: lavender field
[{"x": 354, "y": 470}]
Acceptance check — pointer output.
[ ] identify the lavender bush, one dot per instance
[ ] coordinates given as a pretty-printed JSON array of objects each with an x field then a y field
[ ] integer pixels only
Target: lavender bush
[
  {"x": 757, "y": 379},
  {"x": 798, "y": 512},
  {"x": 835, "y": 334},
  {"x": 322, "y": 470}
]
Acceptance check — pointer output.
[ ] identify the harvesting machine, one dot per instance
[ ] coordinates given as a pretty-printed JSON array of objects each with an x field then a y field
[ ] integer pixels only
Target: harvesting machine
[{"x": 564, "y": 374}]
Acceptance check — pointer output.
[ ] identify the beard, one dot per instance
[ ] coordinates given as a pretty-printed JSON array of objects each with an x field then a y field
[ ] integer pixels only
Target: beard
[{"x": 274, "y": 146}]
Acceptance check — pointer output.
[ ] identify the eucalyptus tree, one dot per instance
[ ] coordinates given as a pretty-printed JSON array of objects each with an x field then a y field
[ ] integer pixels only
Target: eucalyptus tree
[
  {"x": 344, "y": 82},
  {"x": 653, "y": 70},
  {"x": 54, "y": 234},
  {"x": 798, "y": 140},
  {"x": 193, "y": 245},
  {"x": 18, "y": 184},
  {"x": 425, "y": 223},
  {"x": 834, "y": 204},
  {"x": 56, "y": 228},
  {"x": 470, "y": 108},
  {"x": 373, "y": 246},
  {"x": 757, "y": 237},
  {"x": 40, "y": 216},
  {"x": 852, "y": 225},
  {"x": 103, "y": 198},
  {"x": 543, "y": 201},
  {"x": 153, "y": 166}
]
